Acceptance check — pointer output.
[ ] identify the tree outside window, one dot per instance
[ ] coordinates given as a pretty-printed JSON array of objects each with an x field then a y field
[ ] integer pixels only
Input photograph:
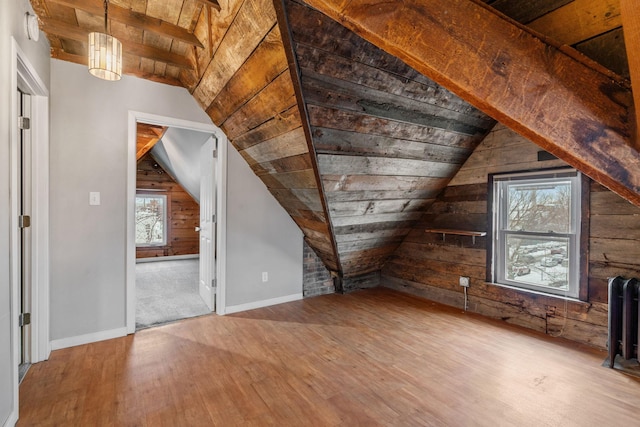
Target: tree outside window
[{"x": 151, "y": 216}]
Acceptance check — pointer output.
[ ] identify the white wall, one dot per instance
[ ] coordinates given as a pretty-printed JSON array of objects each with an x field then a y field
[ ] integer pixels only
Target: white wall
[
  {"x": 177, "y": 152},
  {"x": 89, "y": 153},
  {"x": 11, "y": 24},
  {"x": 261, "y": 237}
]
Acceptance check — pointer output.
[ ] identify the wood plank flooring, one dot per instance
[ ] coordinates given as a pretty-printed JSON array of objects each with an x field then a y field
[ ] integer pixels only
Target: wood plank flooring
[{"x": 373, "y": 358}]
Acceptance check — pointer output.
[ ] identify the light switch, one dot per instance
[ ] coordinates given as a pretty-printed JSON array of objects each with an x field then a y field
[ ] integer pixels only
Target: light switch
[{"x": 94, "y": 198}]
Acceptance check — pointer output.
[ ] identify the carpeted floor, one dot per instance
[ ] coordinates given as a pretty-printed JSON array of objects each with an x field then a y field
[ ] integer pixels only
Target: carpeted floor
[{"x": 167, "y": 291}]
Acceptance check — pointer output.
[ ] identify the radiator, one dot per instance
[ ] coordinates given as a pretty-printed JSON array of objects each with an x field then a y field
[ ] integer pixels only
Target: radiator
[{"x": 623, "y": 319}]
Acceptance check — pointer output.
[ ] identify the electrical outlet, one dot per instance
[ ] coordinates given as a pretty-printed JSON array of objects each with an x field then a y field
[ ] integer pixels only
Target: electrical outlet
[
  {"x": 265, "y": 276},
  {"x": 464, "y": 281}
]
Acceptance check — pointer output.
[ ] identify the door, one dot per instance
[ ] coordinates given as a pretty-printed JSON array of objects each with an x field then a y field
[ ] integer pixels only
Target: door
[
  {"x": 208, "y": 222},
  {"x": 24, "y": 222}
]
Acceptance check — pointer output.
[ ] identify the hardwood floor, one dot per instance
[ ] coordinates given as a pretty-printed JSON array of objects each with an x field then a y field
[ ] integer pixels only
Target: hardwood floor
[{"x": 374, "y": 357}]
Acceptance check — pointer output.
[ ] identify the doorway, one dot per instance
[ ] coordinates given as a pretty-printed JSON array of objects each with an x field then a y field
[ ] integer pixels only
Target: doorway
[
  {"x": 174, "y": 214},
  {"x": 214, "y": 301},
  {"x": 24, "y": 223},
  {"x": 28, "y": 237}
]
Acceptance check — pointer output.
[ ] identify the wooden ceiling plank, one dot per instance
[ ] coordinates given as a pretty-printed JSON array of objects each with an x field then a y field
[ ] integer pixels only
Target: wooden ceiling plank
[
  {"x": 363, "y": 165},
  {"x": 275, "y": 98},
  {"x": 289, "y": 144},
  {"x": 579, "y": 20},
  {"x": 315, "y": 63},
  {"x": 211, "y": 3},
  {"x": 609, "y": 50},
  {"x": 364, "y": 195},
  {"x": 525, "y": 11},
  {"x": 322, "y": 117},
  {"x": 254, "y": 21},
  {"x": 60, "y": 29},
  {"x": 336, "y": 141},
  {"x": 134, "y": 71},
  {"x": 333, "y": 93},
  {"x": 381, "y": 183},
  {"x": 567, "y": 108},
  {"x": 147, "y": 136},
  {"x": 631, "y": 27},
  {"x": 266, "y": 63},
  {"x": 278, "y": 125},
  {"x": 134, "y": 19}
]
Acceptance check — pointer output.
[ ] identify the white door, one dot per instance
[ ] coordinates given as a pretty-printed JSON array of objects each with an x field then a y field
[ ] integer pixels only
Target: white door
[{"x": 207, "y": 222}]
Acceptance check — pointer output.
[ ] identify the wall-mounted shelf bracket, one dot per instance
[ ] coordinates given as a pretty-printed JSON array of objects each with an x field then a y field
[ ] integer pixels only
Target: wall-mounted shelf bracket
[{"x": 445, "y": 231}]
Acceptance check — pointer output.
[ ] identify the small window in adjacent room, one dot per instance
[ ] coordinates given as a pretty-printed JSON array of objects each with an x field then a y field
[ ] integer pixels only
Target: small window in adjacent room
[
  {"x": 536, "y": 231},
  {"x": 151, "y": 219}
]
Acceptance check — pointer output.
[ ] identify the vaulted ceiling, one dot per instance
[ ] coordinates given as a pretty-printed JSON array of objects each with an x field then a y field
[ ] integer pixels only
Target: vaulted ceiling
[{"x": 356, "y": 114}]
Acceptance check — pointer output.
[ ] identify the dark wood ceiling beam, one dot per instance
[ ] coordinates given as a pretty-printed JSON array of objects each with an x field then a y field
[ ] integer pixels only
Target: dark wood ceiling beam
[
  {"x": 134, "y": 19},
  {"x": 63, "y": 30},
  {"x": 573, "y": 111},
  {"x": 82, "y": 60},
  {"x": 631, "y": 25}
]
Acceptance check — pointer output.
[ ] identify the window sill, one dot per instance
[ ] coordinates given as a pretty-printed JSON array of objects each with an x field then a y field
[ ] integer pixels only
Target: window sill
[{"x": 530, "y": 292}]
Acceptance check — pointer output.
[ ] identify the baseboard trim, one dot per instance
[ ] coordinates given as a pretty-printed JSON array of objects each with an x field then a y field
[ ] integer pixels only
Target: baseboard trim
[
  {"x": 167, "y": 258},
  {"x": 264, "y": 303},
  {"x": 12, "y": 420},
  {"x": 88, "y": 338}
]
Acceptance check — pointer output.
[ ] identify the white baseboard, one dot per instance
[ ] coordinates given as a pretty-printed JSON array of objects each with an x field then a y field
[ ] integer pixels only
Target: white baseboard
[
  {"x": 263, "y": 303},
  {"x": 88, "y": 338},
  {"x": 12, "y": 420},
  {"x": 166, "y": 258}
]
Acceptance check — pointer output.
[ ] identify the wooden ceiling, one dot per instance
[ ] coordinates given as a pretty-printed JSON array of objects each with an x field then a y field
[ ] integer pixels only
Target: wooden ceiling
[
  {"x": 353, "y": 142},
  {"x": 146, "y": 137}
]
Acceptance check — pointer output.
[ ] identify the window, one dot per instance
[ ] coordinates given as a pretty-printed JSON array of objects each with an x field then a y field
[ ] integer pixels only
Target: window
[
  {"x": 151, "y": 219},
  {"x": 536, "y": 231}
]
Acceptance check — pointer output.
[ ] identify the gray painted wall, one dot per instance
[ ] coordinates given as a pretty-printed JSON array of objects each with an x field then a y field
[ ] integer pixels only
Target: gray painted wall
[
  {"x": 261, "y": 237},
  {"x": 88, "y": 153},
  {"x": 11, "y": 24}
]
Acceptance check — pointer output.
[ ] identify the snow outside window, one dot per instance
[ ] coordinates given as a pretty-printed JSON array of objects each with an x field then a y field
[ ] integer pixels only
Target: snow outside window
[
  {"x": 151, "y": 219},
  {"x": 536, "y": 231}
]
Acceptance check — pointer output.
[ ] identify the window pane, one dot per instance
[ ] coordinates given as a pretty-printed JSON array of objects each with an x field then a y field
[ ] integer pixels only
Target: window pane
[
  {"x": 150, "y": 217},
  {"x": 539, "y": 207},
  {"x": 538, "y": 261}
]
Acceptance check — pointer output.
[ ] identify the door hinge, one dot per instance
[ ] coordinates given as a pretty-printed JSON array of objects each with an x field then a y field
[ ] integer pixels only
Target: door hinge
[
  {"x": 213, "y": 218},
  {"x": 24, "y": 123},
  {"x": 24, "y": 221},
  {"x": 215, "y": 154},
  {"x": 213, "y": 286},
  {"x": 24, "y": 319}
]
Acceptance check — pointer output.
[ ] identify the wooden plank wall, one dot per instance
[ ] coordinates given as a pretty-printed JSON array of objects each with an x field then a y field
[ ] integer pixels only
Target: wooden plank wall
[
  {"x": 387, "y": 139},
  {"x": 183, "y": 215},
  {"x": 428, "y": 266},
  {"x": 245, "y": 85}
]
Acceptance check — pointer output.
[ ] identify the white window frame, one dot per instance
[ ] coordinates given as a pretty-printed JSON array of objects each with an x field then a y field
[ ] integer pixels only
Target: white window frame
[
  {"x": 500, "y": 232},
  {"x": 164, "y": 220}
]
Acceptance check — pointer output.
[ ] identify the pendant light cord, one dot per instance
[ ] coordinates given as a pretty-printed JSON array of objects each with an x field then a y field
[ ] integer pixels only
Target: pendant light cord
[{"x": 106, "y": 9}]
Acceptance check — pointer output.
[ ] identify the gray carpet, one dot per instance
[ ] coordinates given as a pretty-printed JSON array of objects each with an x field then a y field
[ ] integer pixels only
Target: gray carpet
[{"x": 167, "y": 291}]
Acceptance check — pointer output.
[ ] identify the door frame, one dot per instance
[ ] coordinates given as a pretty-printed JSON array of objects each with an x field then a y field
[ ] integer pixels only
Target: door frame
[
  {"x": 25, "y": 76},
  {"x": 221, "y": 207}
]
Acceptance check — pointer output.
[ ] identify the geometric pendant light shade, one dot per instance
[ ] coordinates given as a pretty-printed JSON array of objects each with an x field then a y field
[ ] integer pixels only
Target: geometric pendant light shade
[
  {"x": 105, "y": 53},
  {"x": 105, "y": 56}
]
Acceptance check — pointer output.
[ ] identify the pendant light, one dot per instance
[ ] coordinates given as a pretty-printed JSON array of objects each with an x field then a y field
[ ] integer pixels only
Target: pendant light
[{"x": 105, "y": 53}]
